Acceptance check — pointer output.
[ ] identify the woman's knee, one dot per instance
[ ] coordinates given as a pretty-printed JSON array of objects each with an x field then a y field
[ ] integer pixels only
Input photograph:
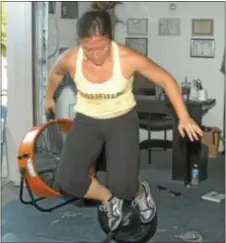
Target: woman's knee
[
  {"x": 74, "y": 184},
  {"x": 124, "y": 188}
]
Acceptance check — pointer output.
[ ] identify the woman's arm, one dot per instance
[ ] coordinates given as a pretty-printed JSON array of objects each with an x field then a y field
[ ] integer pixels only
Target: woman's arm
[
  {"x": 161, "y": 77},
  {"x": 60, "y": 68}
]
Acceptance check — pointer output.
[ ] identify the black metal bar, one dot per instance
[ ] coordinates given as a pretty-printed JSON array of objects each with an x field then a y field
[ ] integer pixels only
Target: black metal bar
[
  {"x": 109, "y": 237},
  {"x": 21, "y": 195},
  {"x": 34, "y": 201},
  {"x": 223, "y": 152}
]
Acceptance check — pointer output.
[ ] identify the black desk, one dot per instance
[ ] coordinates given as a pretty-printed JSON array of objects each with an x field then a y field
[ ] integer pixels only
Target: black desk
[{"x": 185, "y": 153}]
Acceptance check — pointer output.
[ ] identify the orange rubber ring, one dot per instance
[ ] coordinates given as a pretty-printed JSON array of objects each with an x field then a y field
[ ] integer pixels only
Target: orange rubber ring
[{"x": 27, "y": 147}]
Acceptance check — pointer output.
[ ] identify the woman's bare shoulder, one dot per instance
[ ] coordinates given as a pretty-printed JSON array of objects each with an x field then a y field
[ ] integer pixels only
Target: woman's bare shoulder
[
  {"x": 129, "y": 57},
  {"x": 67, "y": 60},
  {"x": 126, "y": 52},
  {"x": 69, "y": 56}
]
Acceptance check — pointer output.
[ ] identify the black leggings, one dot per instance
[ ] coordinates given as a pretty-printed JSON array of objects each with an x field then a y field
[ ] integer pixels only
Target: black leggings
[{"x": 83, "y": 146}]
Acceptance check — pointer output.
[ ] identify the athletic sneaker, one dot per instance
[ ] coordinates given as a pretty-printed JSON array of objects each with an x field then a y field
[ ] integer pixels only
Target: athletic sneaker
[
  {"x": 113, "y": 210},
  {"x": 145, "y": 204}
]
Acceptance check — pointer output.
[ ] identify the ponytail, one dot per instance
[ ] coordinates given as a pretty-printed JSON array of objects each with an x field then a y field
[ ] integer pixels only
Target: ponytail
[
  {"x": 104, "y": 6},
  {"x": 109, "y": 7},
  {"x": 102, "y": 16}
]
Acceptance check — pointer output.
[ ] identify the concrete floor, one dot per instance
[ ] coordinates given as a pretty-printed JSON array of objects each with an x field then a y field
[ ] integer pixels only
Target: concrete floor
[{"x": 177, "y": 215}]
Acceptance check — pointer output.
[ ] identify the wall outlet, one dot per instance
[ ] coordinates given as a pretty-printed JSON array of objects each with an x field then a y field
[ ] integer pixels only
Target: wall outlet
[{"x": 69, "y": 10}]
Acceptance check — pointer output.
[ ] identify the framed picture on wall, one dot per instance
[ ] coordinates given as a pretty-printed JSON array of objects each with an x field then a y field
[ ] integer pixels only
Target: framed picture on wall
[
  {"x": 203, "y": 27},
  {"x": 52, "y": 7},
  {"x": 202, "y": 48},
  {"x": 69, "y": 10},
  {"x": 139, "y": 44},
  {"x": 138, "y": 27},
  {"x": 169, "y": 27}
]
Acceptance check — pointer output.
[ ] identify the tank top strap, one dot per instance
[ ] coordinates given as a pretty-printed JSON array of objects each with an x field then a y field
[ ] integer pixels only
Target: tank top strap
[
  {"x": 78, "y": 63},
  {"x": 117, "y": 66}
]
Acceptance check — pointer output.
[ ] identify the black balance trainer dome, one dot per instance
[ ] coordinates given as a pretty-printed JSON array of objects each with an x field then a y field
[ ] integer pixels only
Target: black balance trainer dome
[{"x": 131, "y": 230}]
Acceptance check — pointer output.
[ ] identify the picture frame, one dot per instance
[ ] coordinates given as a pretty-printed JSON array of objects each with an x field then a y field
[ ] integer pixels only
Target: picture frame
[
  {"x": 169, "y": 27},
  {"x": 202, "y": 27},
  {"x": 69, "y": 10},
  {"x": 139, "y": 44},
  {"x": 202, "y": 48},
  {"x": 137, "y": 27},
  {"x": 52, "y": 7}
]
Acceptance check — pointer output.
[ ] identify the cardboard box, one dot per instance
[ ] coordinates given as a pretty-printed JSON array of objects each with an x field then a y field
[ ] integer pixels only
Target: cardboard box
[{"x": 211, "y": 138}]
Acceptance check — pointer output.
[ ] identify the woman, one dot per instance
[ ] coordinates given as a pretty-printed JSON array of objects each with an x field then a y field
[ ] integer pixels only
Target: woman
[{"x": 103, "y": 72}]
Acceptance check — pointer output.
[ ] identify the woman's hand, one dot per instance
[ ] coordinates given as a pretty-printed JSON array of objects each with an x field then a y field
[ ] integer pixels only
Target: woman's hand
[
  {"x": 188, "y": 126},
  {"x": 50, "y": 105}
]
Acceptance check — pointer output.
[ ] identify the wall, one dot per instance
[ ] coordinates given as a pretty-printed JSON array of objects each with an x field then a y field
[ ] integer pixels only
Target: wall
[
  {"x": 19, "y": 69},
  {"x": 173, "y": 52},
  {"x": 4, "y": 82}
]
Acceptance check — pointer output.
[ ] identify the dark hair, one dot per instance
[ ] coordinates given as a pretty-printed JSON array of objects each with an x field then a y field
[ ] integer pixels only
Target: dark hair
[{"x": 93, "y": 20}]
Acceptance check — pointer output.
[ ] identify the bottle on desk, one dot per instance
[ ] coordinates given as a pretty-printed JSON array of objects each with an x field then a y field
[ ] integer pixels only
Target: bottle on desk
[
  {"x": 195, "y": 175},
  {"x": 186, "y": 88}
]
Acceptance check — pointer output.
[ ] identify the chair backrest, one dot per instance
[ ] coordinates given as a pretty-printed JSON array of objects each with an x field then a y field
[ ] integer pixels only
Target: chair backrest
[
  {"x": 141, "y": 82},
  {"x": 143, "y": 86}
]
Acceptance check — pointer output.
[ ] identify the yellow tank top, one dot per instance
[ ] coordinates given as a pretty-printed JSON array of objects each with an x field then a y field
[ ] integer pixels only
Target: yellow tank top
[{"x": 110, "y": 99}]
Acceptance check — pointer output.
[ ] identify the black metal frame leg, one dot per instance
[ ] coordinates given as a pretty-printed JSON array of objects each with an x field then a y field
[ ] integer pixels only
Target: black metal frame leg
[{"x": 34, "y": 201}]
